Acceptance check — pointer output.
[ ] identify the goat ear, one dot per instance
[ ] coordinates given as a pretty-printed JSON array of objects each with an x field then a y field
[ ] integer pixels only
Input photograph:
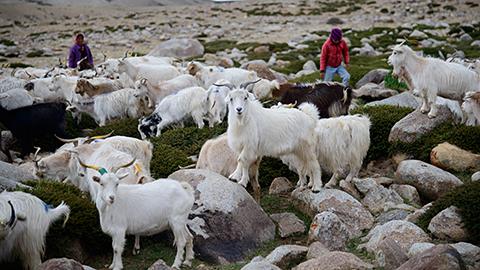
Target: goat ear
[
  {"x": 251, "y": 96},
  {"x": 96, "y": 179}
]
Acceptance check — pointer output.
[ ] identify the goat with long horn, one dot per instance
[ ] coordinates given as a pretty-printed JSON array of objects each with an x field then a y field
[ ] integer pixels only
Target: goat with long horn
[{"x": 245, "y": 85}]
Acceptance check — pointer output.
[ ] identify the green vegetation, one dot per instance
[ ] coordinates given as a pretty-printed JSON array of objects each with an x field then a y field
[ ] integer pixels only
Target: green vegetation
[
  {"x": 466, "y": 198},
  {"x": 19, "y": 65},
  {"x": 7, "y": 42},
  {"x": 393, "y": 83},
  {"x": 35, "y": 53}
]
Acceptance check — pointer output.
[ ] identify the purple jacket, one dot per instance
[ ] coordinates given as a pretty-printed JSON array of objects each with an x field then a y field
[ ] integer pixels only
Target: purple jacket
[{"x": 76, "y": 55}]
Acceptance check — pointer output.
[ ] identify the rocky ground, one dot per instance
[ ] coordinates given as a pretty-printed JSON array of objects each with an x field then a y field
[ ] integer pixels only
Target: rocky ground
[{"x": 412, "y": 206}]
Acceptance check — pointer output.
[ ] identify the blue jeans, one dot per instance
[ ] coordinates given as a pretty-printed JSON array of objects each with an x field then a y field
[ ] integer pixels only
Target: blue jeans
[{"x": 342, "y": 72}]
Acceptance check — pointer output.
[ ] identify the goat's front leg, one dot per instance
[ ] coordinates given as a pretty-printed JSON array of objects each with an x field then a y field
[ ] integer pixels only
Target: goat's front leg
[
  {"x": 245, "y": 160},
  {"x": 432, "y": 99},
  {"x": 425, "y": 108},
  {"x": 136, "y": 246},
  {"x": 118, "y": 242},
  {"x": 237, "y": 174}
]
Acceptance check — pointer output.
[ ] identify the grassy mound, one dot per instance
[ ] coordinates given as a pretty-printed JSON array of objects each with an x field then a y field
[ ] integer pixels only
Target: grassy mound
[
  {"x": 466, "y": 198},
  {"x": 166, "y": 160}
]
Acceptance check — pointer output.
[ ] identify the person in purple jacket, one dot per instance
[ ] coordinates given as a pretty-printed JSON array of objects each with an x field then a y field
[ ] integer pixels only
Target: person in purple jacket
[{"x": 78, "y": 52}]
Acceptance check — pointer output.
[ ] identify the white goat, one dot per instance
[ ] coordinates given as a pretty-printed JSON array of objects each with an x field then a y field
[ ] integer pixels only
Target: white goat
[
  {"x": 210, "y": 74},
  {"x": 216, "y": 101},
  {"x": 263, "y": 89},
  {"x": 153, "y": 73},
  {"x": 10, "y": 83},
  {"x": 166, "y": 88},
  {"x": 165, "y": 203},
  {"x": 64, "y": 86},
  {"x": 254, "y": 131},
  {"x": 432, "y": 77},
  {"x": 471, "y": 107},
  {"x": 17, "y": 98},
  {"x": 122, "y": 103},
  {"x": 24, "y": 222},
  {"x": 175, "y": 108}
]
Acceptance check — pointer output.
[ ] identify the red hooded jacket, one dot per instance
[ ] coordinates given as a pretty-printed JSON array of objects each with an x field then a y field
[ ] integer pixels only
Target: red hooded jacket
[{"x": 332, "y": 54}]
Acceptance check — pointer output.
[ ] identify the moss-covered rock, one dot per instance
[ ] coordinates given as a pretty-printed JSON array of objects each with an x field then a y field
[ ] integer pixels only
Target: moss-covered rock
[
  {"x": 82, "y": 227},
  {"x": 466, "y": 198}
]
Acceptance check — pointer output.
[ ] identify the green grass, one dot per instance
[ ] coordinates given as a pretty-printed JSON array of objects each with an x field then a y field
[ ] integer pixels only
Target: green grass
[
  {"x": 7, "y": 42},
  {"x": 393, "y": 83}
]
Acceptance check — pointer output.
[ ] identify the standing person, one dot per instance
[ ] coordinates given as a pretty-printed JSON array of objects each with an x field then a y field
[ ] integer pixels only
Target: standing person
[
  {"x": 333, "y": 50},
  {"x": 79, "y": 51}
]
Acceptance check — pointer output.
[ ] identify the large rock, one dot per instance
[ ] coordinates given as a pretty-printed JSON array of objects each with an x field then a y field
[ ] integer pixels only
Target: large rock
[
  {"x": 178, "y": 47},
  {"x": 448, "y": 225},
  {"x": 14, "y": 173},
  {"x": 408, "y": 193},
  {"x": 390, "y": 255},
  {"x": 288, "y": 224},
  {"x": 335, "y": 260},
  {"x": 405, "y": 99},
  {"x": 400, "y": 231},
  {"x": 351, "y": 212},
  {"x": 418, "y": 248},
  {"x": 61, "y": 264},
  {"x": 440, "y": 257},
  {"x": 394, "y": 214},
  {"x": 223, "y": 212},
  {"x": 316, "y": 249},
  {"x": 418, "y": 34},
  {"x": 259, "y": 263},
  {"x": 450, "y": 157},
  {"x": 328, "y": 229},
  {"x": 417, "y": 124},
  {"x": 373, "y": 76},
  {"x": 373, "y": 91},
  {"x": 280, "y": 185},
  {"x": 470, "y": 254},
  {"x": 282, "y": 255},
  {"x": 159, "y": 265},
  {"x": 430, "y": 181},
  {"x": 377, "y": 199}
]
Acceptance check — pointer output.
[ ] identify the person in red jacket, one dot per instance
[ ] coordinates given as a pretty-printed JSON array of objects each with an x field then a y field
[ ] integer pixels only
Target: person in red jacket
[{"x": 334, "y": 50}]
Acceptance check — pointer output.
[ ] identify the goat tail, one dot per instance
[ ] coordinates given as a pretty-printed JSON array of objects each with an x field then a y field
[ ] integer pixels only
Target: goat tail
[
  {"x": 309, "y": 109},
  {"x": 61, "y": 210}
]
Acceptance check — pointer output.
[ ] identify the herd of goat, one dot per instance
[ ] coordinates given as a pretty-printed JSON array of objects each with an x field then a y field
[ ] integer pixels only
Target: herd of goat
[{"x": 309, "y": 130}]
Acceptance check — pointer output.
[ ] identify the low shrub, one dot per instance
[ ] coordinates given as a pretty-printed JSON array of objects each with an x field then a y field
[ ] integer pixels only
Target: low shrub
[
  {"x": 166, "y": 160},
  {"x": 466, "y": 198},
  {"x": 122, "y": 127}
]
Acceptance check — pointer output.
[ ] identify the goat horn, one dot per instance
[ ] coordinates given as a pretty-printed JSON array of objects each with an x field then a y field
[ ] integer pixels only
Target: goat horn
[
  {"x": 13, "y": 217},
  {"x": 125, "y": 55},
  {"x": 48, "y": 72},
  {"x": 114, "y": 170},
  {"x": 245, "y": 85},
  {"x": 36, "y": 154},
  {"x": 29, "y": 75},
  {"x": 13, "y": 72},
  {"x": 66, "y": 140},
  {"x": 291, "y": 105},
  {"x": 104, "y": 56},
  {"x": 229, "y": 85},
  {"x": 99, "y": 137},
  {"x": 89, "y": 166}
]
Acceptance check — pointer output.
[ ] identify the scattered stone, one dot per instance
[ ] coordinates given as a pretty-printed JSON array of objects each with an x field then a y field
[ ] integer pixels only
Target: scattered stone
[
  {"x": 281, "y": 256},
  {"x": 470, "y": 254},
  {"x": 261, "y": 49},
  {"x": 366, "y": 50},
  {"x": 335, "y": 260},
  {"x": 373, "y": 76},
  {"x": 159, "y": 265},
  {"x": 408, "y": 193},
  {"x": 403, "y": 232},
  {"x": 430, "y": 181},
  {"x": 440, "y": 257},
  {"x": 351, "y": 212},
  {"x": 223, "y": 207},
  {"x": 413, "y": 217},
  {"x": 405, "y": 99},
  {"x": 310, "y": 66},
  {"x": 466, "y": 37},
  {"x": 476, "y": 43},
  {"x": 280, "y": 185},
  {"x": 377, "y": 198},
  {"x": 418, "y": 248},
  {"x": 259, "y": 263},
  {"x": 448, "y": 225},
  {"x": 316, "y": 249},
  {"x": 374, "y": 91},
  {"x": 364, "y": 185},
  {"x": 450, "y": 157},
  {"x": 288, "y": 224},
  {"x": 329, "y": 230},
  {"x": 395, "y": 214},
  {"x": 476, "y": 176},
  {"x": 178, "y": 47},
  {"x": 417, "y": 124},
  {"x": 60, "y": 264},
  {"x": 390, "y": 255},
  {"x": 418, "y": 34}
]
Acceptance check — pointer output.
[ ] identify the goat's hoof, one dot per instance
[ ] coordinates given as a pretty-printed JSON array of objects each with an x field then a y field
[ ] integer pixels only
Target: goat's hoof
[
  {"x": 423, "y": 111},
  {"x": 431, "y": 115},
  {"x": 136, "y": 251},
  {"x": 233, "y": 180},
  {"x": 187, "y": 263}
]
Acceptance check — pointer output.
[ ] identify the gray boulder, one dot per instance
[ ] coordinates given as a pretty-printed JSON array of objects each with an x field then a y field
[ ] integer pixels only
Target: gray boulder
[
  {"x": 316, "y": 249},
  {"x": 405, "y": 99},
  {"x": 288, "y": 224},
  {"x": 61, "y": 264},
  {"x": 374, "y": 91},
  {"x": 328, "y": 229},
  {"x": 418, "y": 248},
  {"x": 470, "y": 254},
  {"x": 440, "y": 257},
  {"x": 476, "y": 176},
  {"x": 466, "y": 37},
  {"x": 418, "y": 34},
  {"x": 394, "y": 214},
  {"x": 366, "y": 50},
  {"x": 408, "y": 193},
  {"x": 280, "y": 185},
  {"x": 178, "y": 47},
  {"x": 350, "y": 211},
  {"x": 448, "y": 225},
  {"x": 373, "y": 76},
  {"x": 222, "y": 211},
  {"x": 378, "y": 198},
  {"x": 413, "y": 217},
  {"x": 390, "y": 255},
  {"x": 417, "y": 124},
  {"x": 6, "y": 183},
  {"x": 335, "y": 260},
  {"x": 259, "y": 263},
  {"x": 282, "y": 255},
  {"x": 430, "y": 181}
]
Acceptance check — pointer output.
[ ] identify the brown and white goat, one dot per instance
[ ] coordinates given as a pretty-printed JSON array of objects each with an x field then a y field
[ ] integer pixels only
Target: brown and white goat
[{"x": 86, "y": 87}]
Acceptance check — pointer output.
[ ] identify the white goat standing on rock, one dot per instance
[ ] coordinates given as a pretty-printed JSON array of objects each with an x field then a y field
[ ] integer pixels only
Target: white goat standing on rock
[
  {"x": 432, "y": 77},
  {"x": 254, "y": 131}
]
